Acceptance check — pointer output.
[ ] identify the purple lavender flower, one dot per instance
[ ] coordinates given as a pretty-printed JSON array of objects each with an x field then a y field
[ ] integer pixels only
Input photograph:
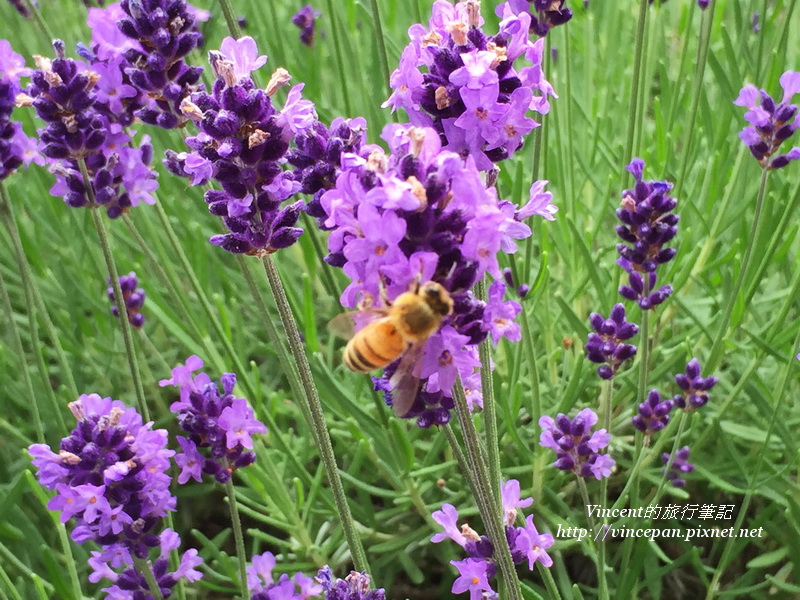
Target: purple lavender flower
[
  {"x": 754, "y": 22},
  {"x": 356, "y": 586},
  {"x": 544, "y": 14},
  {"x": 111, "y": 476},
  {"x": 423, "y": 214},
  {"x": 456, "y": 79},
  {"x": 695, "y": 388},
  {"x": 133, "y": 297},
  {"x": 680, "y": 464},
  {"x": 525, "y": 543},
  {"x": 78, "y": 127},
  {"x": 521, "y": 290},
  {"x": 498, "y": 316},
  {"x": 163, "y": 32},
  {"x": 13, "y": 141},
  {"x": 653, "y": 414},
  {"x": 305, "y": 19},
  {"x": 243, "y": 142},
  {"x": 264, "y": 587},
  {"x": 575, "y": 445},
  {"x": 647, "y": 224},
  {"x": 703, "y": 3},
  {"x": 22, "y": 8},
  {"x": 771, "y": 123},
  {"x": 221, "y": 423},
  {"x": 605, "y": 344}
]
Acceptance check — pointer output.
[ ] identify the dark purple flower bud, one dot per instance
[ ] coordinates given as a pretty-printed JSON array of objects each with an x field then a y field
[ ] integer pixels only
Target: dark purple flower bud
[
  {"x": 680, "y": 464},
  {"x": 133, "y": 298},
  {"x": 605, "y": 345},
  {"x": 694, "y": 387},
  {"x": 577, "y": 448}
]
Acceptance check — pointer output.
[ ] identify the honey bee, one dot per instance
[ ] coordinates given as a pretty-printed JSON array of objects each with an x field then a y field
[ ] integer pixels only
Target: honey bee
[{"x": 399, "y": 329}]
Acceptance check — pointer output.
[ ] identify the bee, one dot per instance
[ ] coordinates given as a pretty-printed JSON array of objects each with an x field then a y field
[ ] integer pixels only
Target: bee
[{"x": 397, "y": 330}]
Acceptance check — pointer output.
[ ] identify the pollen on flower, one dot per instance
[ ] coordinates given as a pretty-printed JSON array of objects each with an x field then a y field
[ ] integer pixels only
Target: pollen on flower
[
  {"x": 475, "y": 581},
  {"x": 442, "y": 98}
]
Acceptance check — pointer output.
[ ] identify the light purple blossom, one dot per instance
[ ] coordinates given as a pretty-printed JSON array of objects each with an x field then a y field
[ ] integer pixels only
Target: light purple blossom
[
  {"x": 243, "y": 53},
  {"x": 472, "y": 577}
]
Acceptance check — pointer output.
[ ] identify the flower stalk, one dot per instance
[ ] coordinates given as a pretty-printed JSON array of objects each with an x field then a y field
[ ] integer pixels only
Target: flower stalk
[
  {"x": 111, "y": 266},
  {"x": 144, "y": 567},
  {"x": 489, "y": 407},
  {"x": 238, "y": 538},
  {"x": 230, "y": 18},
  {"x": 322, "y": 436},
  {"x": 482, "y": 489}
]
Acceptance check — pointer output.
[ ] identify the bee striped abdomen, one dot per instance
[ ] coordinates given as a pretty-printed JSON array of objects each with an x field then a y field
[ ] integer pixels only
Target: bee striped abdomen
[{"x": 374, "y": 347}]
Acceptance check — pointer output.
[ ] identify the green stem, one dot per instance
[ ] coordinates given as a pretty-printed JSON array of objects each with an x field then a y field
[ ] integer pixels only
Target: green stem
[
  {"x": 549, "y": 582},
  {"x": 601, "y": 566},
  {"x": 230, "y": 18},
  {"x": 66, "y": 547},
  {"x": 779, "y": 394},
  {"x": 376, "y": 19},
  {"x": 490, "y": 409},
  {"x": 482, "y": 490},
  {"x": 706, "y": 22},
  {"x": 605, "y": 403},
  {"x": 322, "y": 436},
  {"x": 238, "y": 538},
  {"x": 20, "y": 352},
  {"x": 40, "y": 23},
  {"x": 637, "y": 73},
  {"x": 461, "y": 459},
  {"x": 145, "y": 569},
  {"x": 119, "y": 300},
  {"x": 333, "y": 11},
  {"x": 726, "y": 318}
]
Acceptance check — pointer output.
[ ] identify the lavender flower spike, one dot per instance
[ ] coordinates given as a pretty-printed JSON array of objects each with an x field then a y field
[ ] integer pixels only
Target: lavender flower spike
[
  {"x": 305, "y": 19},
  {"x": 680, "y": 464},
  {"x": 544, "y": 14},
  {"x": 14, "y": 144},
  {"x": 264, "y": 586},
  {"x": 356, "y": 586},
  {"x": 771, "y": 123},
  {"x": 695, "y": 388},
  {"x": 605, "y": 344},
  {"x": 111, "y": 476},
  {"x": 133, "y": 297},
  {"x": 575, "y": 445},
  {"x": 220, "y": 424},
  {"x": 243, "y": 142},
  {"x": 653, "y": 414},
  {"x": 647, "y": 224}
]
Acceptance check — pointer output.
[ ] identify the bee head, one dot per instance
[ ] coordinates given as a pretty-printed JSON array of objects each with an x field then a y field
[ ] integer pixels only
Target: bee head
[{"x": 437, "y": 298}]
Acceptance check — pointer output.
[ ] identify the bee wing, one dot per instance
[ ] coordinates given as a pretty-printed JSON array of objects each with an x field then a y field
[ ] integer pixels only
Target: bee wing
[
  {"x": 404, "y": 383},
  {"x": 344, "y": 325}
]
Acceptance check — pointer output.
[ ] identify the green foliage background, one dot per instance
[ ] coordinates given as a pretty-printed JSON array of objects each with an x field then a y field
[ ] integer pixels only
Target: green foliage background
[{"x": 395, "y": 473}]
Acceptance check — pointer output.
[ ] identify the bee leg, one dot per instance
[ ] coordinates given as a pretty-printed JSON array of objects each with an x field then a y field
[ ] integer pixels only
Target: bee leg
[{"x": 384, "y": 296}]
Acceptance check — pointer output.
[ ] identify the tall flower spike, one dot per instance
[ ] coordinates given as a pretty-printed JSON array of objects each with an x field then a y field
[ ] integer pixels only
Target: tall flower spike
[
  {"x": 647, "y": 224},
  {"x": 423, "y": 214},
  {"x": 576, "y": 446},
  {"x": 653, "y": 413},
  {"x": 476, "y": 571},
  {"x": 264, "y": 586},
  {"x": 133, "y": 297},
  {"x": 111, "y": 476},
  {"x": 356, "y": 586},
  {"x": 606, "y": 345},
  {"x": 219, "y": 424},
  {"x": 680, "y": 465},
  {"x": 164, "y": 32},
  {"x": 80, "y": 127},
  {"x": 544, "y": 14},
  {"x": 695, "y": 388},
  {"x": 305, "y": 19},
  {"x": 771, "y": 122},
  {"x": 15, "y": 147},
  {"x": 243, "y": 142},
  {"x": 462, "y": 82}
]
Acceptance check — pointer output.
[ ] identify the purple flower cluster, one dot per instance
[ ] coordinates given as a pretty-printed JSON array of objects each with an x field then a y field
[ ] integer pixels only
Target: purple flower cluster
[
  {"x": 424, "y": 214},
  {"x": 680, "y": 464},
  {"x": 545, "y": 14},
  {"x": 220, "y": 423},
  {"x": 575, "y": 445},
  {"x": 133, "y": 297},
  {"x": 79, "y": 126},
  {"x": 456, "y": 79},
  {"x": 606, "y": 345},
  {"x": 305, "y": 19},
  {"x": 242, "y": 144},
  {"x": 15, "y": 147},
  {"x": 647, "y": 224},
  {"x": 653, "y": 413},
  {"x": 521, "y": 290},
  {"x": 525, "y": 543},
  {"x": 317, "y": 157},
  {"x": 771, "y": 123},
  {"x": 356, "y": 586},
  {"x": 111, "y": 475},
  {"x": 163, "y": 32},
  {"x": 695, "y": 387},
  {"x": 264, "y": 587},
  {"x": 21, "y": 7}
]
